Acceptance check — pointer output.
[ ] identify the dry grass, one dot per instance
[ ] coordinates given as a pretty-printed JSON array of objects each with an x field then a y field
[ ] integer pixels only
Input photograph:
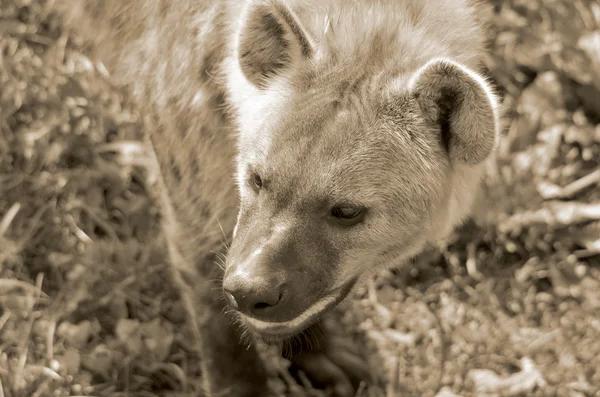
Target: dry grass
[{"x": 509, "y": 308}]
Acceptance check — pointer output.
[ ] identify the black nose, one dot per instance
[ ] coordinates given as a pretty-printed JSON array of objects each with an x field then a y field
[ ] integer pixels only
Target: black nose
[{"x": 256, "y": 296}]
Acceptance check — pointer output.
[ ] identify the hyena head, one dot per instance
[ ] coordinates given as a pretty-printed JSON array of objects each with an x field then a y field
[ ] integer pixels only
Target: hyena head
[{"x": 352, "y": 155}]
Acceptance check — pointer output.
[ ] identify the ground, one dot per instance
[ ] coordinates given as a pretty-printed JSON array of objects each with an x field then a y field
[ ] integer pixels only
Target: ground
[{"x": 510, "y": 307}]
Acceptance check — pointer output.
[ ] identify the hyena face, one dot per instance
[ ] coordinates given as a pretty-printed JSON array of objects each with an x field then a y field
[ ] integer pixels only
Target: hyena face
[{"x": 343, "y": 168}]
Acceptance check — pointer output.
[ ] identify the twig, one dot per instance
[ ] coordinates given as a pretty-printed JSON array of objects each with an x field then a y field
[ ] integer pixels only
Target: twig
[
  {"x": 108, "y": 229},
  {"x": 9, "y": 217},
  {"x": 80, "y": 234},
  {"x": 550, "y": 191},
  {"x": 393, "y": 386},
  {"x": 3, "y": 321},
  {"x": 18, "y": 379},
  {"x": 446, "y": 392},
  {"x": 50, "y": 340},
  {"x": 586, "y": 253},
  {"x": 444, "y": 346},
  {"x": 362, "y": 388},
  {"x": 399, "y": 338},
  {"x": 472, "y": 262},
  {"x": 372, "y": 290},
  {"x": 488, "y": 383},
  {"x": 554, "y": 214},
  {"x": 10, "y": 284}
]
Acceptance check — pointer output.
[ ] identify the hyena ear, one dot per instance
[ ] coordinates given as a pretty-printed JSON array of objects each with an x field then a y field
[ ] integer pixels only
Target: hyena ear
[
  {"x": 271, "y": 40},
  {"x": 462, "y": 104}
]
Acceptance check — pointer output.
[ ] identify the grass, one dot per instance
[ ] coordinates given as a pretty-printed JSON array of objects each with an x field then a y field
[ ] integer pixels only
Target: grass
[{"x": 509, "y": 308}]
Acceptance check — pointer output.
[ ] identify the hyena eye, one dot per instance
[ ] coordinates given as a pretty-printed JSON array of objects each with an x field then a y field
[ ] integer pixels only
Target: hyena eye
[
  {"x": 257, "y": 182},
  {"x": 348, "y": 214}
]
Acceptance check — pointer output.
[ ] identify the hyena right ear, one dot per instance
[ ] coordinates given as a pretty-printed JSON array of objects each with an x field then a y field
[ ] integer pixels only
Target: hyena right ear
[
  {"x": 271, "y": 40},
  {"x": 461, "y": 103}
]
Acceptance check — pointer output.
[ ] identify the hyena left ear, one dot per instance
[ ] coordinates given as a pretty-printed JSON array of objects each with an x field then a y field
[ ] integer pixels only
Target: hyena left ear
[
  {"x": 462, "y": 104},
  {"x": 271, "y": 40}
]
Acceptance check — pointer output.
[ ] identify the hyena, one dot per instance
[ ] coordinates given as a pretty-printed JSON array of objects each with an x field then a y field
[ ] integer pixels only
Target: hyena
[{"x": 326, "y": 139}]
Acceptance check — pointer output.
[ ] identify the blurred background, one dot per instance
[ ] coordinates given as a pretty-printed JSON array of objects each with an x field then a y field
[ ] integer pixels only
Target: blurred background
[{"x": 510, "y": 307}]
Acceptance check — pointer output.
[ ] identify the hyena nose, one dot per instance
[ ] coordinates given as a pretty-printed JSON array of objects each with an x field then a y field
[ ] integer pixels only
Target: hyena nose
[{"x": 255, "y": 296}]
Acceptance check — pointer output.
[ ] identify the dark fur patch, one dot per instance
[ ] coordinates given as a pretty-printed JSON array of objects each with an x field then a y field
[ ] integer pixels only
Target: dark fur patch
[
  {"x": 305, "y": 46},
  {"x": 194, "y": 165},
  {"x": 446, "y": 104},
  {"x": 448, "y": 101},
  {"x": 174, "y": 169},
  {"x": 264, "y": 49}
]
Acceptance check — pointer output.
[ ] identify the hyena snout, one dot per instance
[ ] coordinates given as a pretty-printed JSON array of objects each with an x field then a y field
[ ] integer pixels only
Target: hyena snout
[
  {"x": 259, "y": 294},
  {"x": 267, "y": 279},
  {"x": 267, "y": 289},
  {"x": 279, "y": 276}
]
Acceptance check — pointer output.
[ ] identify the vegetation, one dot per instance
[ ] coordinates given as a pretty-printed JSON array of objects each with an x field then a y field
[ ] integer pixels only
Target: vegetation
[{"x": 509, "y": 308}]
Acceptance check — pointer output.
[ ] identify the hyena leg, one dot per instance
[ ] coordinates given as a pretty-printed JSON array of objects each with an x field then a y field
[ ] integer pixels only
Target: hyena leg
[
  {"x": 229, "y": 367},
  {"x": 327, "y": 363}
]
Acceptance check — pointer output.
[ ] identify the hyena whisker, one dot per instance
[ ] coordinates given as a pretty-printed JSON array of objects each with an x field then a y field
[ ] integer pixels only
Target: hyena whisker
[{"x": 225, "y": 240}]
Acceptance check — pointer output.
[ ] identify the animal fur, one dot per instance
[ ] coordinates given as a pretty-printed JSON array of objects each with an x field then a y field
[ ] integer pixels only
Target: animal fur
[{"x": 378, "y": 102}]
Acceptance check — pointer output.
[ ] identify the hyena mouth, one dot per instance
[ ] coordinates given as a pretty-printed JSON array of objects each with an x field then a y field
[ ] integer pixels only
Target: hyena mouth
[{"x": 286, "y": 329}]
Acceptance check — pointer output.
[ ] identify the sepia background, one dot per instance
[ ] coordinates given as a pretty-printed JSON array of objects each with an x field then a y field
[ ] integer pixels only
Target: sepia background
[{"x": 511, "y": 307}]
